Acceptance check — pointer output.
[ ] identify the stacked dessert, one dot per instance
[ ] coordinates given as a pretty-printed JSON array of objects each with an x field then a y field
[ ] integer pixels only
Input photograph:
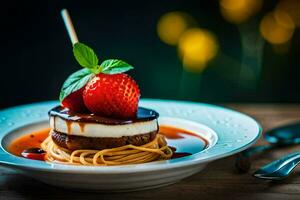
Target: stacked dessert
[{"x": 99, "y": 121}]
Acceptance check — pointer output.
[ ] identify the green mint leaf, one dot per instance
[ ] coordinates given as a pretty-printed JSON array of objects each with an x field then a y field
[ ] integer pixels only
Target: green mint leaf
[
  {"x": 114, "y": 66},
  {"x": 75, "y": 82},
  {"x": 85, "y": 56}
]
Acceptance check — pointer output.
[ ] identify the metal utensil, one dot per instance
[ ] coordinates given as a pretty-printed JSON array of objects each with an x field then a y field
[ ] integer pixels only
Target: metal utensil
[
  {"x": 278, "y": 137},
  {"x": 279, "y": 169}
]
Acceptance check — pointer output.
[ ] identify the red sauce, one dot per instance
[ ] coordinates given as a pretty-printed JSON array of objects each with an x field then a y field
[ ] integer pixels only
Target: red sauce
[
  {"x": 28, "y": 141},
  {"x": 34, "y": 140},
  {"x": 177, "y": 133}
]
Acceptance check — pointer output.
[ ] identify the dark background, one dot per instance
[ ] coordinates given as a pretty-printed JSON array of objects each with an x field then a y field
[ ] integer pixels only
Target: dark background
[{"x": 36, "y": 53}]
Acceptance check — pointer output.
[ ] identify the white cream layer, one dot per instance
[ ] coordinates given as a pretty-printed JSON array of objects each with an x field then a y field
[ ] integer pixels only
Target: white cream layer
[{"x": 102, "y": 130}]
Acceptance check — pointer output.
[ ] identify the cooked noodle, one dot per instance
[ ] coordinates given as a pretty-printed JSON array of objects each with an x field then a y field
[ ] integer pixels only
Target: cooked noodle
[{"x": 157, "y": 149}]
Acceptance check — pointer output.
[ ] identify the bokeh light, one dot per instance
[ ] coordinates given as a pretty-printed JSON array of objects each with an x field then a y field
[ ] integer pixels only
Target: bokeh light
[
  {"x": 292, "y": 7},
  {"x": 171, "y": 25},
  {"x": 238, "y": 11},
  {"x": 277, "y": 27},
  {"x": 197, "y": 47}
]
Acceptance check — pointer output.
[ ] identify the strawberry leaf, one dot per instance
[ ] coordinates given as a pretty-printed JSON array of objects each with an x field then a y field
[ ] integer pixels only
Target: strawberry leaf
[
  {"x": 75, "y": 82},
  {"x": 114, "y": 66},
  {"x": 85, "y": 56}
]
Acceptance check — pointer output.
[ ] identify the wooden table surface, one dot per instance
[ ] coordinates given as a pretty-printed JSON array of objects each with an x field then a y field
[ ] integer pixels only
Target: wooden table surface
[{"x": 220, "y": 180}]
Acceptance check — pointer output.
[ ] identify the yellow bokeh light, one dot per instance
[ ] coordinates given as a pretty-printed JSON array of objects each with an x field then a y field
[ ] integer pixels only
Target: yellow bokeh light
[
  {"x": 196, "y": 47},
  {"x": 292, "y": 7},
  {"x": 277, "y": 27},
  {"x": 171, "y": 25},
  {"x": 238, "y": 11}
]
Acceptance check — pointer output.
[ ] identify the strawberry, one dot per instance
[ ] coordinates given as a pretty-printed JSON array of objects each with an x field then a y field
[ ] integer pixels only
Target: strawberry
[
  {"x": 74, "y": 101},
  {"x": 101, "y": 88},
  {"x": 112, "y": 95}
]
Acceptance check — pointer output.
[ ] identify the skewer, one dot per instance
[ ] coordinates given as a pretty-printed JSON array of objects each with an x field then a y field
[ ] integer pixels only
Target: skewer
[{"x": 69, "y": 26}]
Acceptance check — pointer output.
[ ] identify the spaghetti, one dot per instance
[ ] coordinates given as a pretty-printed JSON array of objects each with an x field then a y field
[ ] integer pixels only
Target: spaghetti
[{"x": 157, "y": 149}]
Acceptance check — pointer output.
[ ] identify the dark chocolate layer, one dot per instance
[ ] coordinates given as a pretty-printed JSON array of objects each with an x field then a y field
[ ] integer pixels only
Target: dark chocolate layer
[
  {"x": 73, "y": 142},
  {"x": 143, "y": 114}
]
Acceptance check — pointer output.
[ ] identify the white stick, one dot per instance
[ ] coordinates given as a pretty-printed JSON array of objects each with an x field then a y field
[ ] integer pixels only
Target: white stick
[{"x": 69, "y": 26}]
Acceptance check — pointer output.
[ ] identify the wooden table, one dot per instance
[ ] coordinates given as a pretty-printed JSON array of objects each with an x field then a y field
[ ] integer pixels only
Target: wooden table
[{"x": 220, "y": 180}]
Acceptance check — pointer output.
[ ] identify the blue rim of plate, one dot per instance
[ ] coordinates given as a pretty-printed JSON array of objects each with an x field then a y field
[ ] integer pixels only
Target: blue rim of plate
[{"x": 236, "y": 132}]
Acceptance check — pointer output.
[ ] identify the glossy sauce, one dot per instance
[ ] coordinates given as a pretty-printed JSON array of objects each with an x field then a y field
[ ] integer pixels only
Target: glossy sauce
[
  {"x": 177, "y": 133},
  {"x": 34, "y": 140},
  {"x": 28, "y": 141},
  {"x": 174, "y": 133},
  {"x": 143, "y": 114}
]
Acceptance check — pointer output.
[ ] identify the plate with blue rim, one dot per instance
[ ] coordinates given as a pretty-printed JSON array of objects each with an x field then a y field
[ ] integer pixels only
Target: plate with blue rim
[{"x": 226, "y": 131}]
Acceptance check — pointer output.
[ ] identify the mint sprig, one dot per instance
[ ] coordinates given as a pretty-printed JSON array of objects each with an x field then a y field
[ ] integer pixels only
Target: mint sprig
[
  {"x": 75, "y": 82},
  {"x": 88, "y": 59},
  {"x": 85, "y": 56},
  {"x": 114, "y": 66}
]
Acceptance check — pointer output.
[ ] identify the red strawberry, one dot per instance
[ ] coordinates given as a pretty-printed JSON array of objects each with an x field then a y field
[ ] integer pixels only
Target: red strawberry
[
  {"x": 112, "y": 95},
  {"x": 74, "y": 101}
]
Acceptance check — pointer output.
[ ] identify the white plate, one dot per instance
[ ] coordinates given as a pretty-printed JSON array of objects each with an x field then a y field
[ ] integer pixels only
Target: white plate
[{"x": 227, "y": 132}]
